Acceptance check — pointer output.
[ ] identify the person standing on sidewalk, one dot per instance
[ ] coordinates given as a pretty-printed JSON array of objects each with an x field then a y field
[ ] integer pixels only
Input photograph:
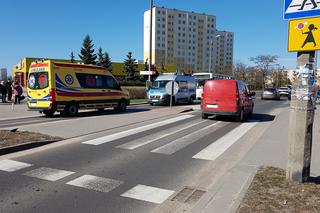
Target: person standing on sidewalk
[
  {"x": 9, "y": 89},
  {"x": 3, "y": 91},
  {"x": 17, "y": 91}
]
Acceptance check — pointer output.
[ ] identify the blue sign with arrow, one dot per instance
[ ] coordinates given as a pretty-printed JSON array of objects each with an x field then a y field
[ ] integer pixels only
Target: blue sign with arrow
[{"x": 294, "y": 9}]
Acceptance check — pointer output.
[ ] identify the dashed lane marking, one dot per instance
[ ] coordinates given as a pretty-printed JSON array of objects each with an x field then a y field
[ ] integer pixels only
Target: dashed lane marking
[
  {"x": 148, "y": 193},
  {"x": 12, "y": 165},
  {"x": 95, "y": 183},
  {"x": 217, "y": 148},
  {"x": 130, "y": 132},
  {"x": 48, "y": 174}
]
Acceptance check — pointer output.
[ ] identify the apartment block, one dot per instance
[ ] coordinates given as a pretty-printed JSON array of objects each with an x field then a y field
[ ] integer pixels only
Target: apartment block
[
  {"x": 186, "y": 40},
  {"x": 224, "y": 52},
  {"x": 3, "y": 74}
]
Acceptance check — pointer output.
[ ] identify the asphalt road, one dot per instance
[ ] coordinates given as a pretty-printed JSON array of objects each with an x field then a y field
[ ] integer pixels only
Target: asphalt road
[{"x": 123, "y": 171}]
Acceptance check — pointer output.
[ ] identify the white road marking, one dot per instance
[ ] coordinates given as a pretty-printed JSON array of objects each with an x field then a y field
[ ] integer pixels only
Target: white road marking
[
  {"x": 95, "y": 183},
  {"x": 217, "y": 148},
  {"x": 183, "y": 142},
  {"x": 123, "y": 134},
  {"x": 48, "y": 174},
  {"x": 154, "y": 137},
  {"x": 12, "y": 165},
  {"x": 148, "y": 193}
]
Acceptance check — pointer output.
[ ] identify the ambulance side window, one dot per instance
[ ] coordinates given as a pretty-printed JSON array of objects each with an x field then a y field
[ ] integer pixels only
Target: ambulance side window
[
  {"x": 90, "y": 81},
  {"x": 111, "y": 83}
]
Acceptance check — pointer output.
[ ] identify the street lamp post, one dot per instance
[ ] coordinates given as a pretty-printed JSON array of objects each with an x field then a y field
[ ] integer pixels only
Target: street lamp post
[{"x": 150, "y": 40}]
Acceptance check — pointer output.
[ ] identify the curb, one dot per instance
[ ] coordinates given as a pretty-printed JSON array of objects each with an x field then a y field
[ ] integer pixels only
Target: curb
[{"x": 25, "y": 146}]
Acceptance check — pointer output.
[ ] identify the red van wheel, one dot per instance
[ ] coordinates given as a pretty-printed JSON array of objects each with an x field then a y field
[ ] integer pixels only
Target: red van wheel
[
  {"x": 204, "y": 116},
  {"x": 240, "y": 117}
]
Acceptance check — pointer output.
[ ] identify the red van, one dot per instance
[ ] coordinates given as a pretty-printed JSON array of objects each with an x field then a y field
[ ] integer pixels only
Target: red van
[{"x": 226, "y": 97}]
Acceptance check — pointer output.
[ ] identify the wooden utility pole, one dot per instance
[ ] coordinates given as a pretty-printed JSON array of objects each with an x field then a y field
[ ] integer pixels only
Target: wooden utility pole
[{"x": 301, "y": 119}]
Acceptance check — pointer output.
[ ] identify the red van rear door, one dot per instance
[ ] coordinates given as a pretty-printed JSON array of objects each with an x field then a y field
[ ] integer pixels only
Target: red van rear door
[{"x": 220, "y": 95}]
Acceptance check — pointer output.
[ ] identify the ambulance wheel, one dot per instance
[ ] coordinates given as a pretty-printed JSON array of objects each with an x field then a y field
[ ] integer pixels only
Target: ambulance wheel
[
  {"x": 48, "y": 113},
  {"x": 122, "y": 106},
  {"x": 72, "y": 109}
]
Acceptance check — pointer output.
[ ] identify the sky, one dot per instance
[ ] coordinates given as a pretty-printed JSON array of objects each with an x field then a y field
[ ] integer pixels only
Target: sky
[{"x": 52, "y": 29}]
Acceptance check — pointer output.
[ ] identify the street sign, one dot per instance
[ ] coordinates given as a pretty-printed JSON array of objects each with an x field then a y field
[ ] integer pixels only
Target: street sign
[
  {"x": 304, "y": 35},
  {"x": 294, "y": 9},
  {"x": 147, "y": 72},
  {"x": 169, "y": 87}
]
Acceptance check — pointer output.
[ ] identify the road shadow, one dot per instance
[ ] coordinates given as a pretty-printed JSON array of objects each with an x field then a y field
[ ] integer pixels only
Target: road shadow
[
  {"x": 102, "y": 113},
  {"x": 315, "y": 180},
  {"x": 256, "y": 117}
]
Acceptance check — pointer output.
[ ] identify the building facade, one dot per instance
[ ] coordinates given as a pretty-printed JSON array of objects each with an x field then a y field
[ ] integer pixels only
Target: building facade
[
  {"x": 224, "y": 53},
  {"x": 3, "y": 74},
  {"x": 186, "y": 40}
]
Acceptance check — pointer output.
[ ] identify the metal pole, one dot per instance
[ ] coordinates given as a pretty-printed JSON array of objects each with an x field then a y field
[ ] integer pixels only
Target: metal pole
[
  {"x": 150, "y": 44},
  {"x": 171, "y": 95},
  {"x": 301, "y": 119},
  {"x": 210, "y": 46}
]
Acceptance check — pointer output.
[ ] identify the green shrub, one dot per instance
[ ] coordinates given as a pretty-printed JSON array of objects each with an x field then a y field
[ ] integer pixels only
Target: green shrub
[{"x": 136, "y": 92}]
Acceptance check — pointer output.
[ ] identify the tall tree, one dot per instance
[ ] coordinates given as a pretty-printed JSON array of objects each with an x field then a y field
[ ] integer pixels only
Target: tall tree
[
  {"x": 72, "y": 57},
  {"x": 100, "y": 57},
  {"x": 107, "y": 61},
  {"x": 130, "y": 66},
  {"x": 264, "y": 63},
  {"x": 87, "y": 52}
]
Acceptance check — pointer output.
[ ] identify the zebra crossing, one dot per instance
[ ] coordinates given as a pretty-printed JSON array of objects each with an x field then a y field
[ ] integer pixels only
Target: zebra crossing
[
  {"x": 186, "y": 133},
  {"x": 89, "y": 182},
  {"x": 193, "y": 131}
]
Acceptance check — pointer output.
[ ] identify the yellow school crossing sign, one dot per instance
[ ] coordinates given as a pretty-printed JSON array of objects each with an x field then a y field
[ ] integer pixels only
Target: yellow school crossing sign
[{"x": 304, "y": 35}]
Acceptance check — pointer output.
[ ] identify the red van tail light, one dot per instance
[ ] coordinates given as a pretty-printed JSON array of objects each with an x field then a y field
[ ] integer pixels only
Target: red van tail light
[{"x": 52, "y": 95}]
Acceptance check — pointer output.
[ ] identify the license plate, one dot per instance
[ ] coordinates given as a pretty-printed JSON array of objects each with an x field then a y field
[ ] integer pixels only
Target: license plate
[
  {"x": 213, "y": 106},
  {"x": 155, "y": 100},
  {"x": 33, "y": 104}
]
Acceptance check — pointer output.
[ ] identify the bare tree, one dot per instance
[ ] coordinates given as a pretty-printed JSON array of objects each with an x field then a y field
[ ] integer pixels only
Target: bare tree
[
  {"x": 264, "y": 63},
  {"x": 240, "y": 71}
]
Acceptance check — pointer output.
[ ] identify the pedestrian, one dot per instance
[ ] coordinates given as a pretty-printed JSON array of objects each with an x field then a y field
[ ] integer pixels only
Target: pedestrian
[
  {"x": 17, "y": 91},
  {"x": 3, "y": 91},
  {"x": 9, "y": 89}
]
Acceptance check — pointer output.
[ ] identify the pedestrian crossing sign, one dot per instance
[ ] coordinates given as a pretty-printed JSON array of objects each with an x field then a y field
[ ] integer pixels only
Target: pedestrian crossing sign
[
  {"x": 294, "y": 9},
  {"x": 304, "y": 35}
]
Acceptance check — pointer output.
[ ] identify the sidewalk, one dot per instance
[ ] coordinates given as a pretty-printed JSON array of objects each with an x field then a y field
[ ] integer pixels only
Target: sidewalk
[
  {"x": 270, "y": 150},
  {"x": 100, "y": 123},
  {"x": 9, "y": 111}
]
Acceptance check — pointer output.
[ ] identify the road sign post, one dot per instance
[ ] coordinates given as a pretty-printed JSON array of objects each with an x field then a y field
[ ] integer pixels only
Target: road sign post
[
  {"x": 301, "y": 118},
  {"x": 172, "y": 89},
  {"x": 304, "y": 38}
]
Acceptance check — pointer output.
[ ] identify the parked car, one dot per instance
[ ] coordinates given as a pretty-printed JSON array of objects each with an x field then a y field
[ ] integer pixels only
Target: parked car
[
  {"x": 270, "y": 93},
  {"x": 285, "y": 91},
  {"x": 157, "y": 93},
  {"x": 228, "y": 98}
]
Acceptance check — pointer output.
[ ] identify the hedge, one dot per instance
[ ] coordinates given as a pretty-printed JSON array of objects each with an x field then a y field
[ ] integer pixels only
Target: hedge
[{"x": 136, "y": 92}]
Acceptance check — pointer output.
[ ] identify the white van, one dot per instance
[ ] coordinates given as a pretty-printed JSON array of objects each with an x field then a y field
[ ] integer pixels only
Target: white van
[{"x": 186, "y": 94}]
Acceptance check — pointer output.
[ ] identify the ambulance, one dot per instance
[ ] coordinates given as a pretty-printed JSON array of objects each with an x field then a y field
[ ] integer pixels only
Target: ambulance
[{"x": 68, "y": 87}]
